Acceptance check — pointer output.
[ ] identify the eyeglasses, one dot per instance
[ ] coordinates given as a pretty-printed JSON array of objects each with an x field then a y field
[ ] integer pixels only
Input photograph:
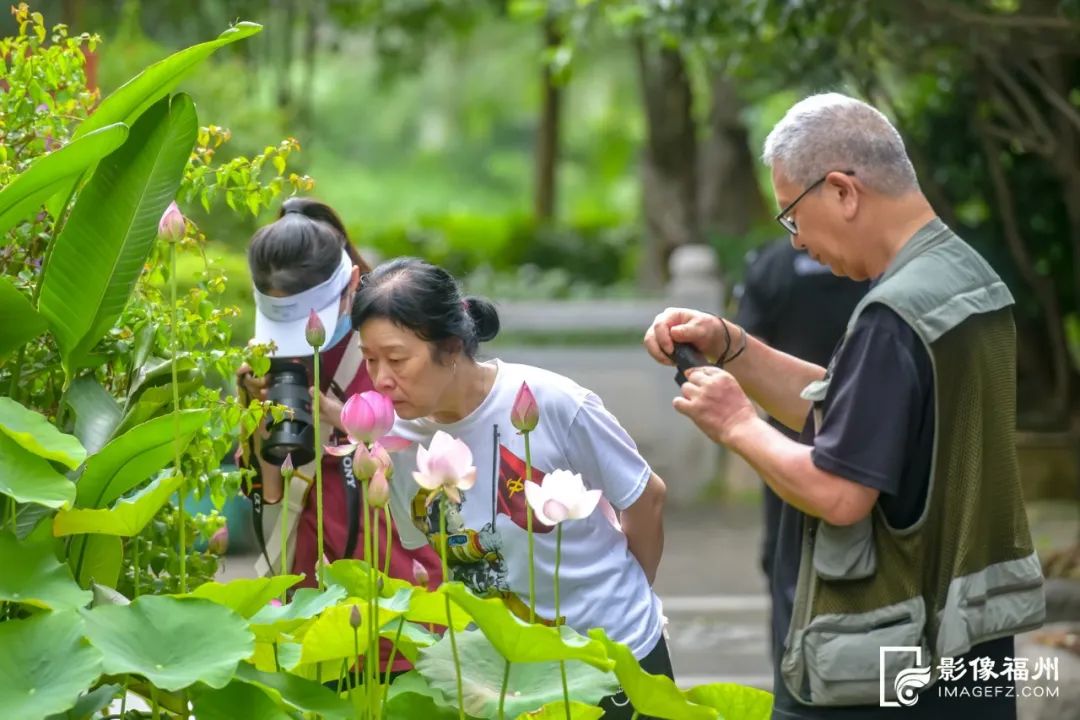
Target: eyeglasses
[{"x": 784, "y": 216}]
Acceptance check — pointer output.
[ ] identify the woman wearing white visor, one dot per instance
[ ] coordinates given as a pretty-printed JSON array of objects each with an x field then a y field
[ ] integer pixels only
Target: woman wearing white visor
[{"x": 301, "y": 262}]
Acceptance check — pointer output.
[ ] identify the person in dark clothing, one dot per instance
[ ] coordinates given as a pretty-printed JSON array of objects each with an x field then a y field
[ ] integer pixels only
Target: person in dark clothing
[
  {"x": 904, "y": 562},
  {"x": 795, "y": 304}
]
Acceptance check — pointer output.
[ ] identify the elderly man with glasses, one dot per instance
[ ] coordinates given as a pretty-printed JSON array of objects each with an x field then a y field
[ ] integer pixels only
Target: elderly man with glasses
[{"x": 904, "y": 561}]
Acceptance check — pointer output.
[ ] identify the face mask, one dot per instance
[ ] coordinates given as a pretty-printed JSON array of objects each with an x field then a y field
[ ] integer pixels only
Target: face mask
[{"x": 343, "y": 327}]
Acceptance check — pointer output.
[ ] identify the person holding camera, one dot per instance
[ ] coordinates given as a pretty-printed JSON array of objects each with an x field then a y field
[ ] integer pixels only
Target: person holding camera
[
  {"x": 904, "y": 560},
  {"x": 304, "y": 261},
  {"x": 420, "y": 338}
]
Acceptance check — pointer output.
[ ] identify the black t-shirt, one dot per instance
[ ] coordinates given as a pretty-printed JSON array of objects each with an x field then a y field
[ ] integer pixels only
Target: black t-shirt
[{"x": 877, "y": 430}]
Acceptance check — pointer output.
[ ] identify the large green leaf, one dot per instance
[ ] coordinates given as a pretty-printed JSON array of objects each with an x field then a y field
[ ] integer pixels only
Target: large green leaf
[
  {"x": 22, "y": 322},
  {"x": 55, "y": 172},
  {"x": 304, "y": 695},
  {"x": 173, "y": 642},
  {"x": 272, "y": 621},
  {"x": 96, "y": 413},
  {"x": 33, "y": 575},
  {"x": 410, "y": 696},
  {"x": 126, "y": 518},
  {"x": 96, "y": 559},
  {"x": 238, "y": 700},
  {"x": 531, "y": 685},
  {"x": 518, "y": 641},
  {"x": 246, "y": 596},
  {"x": 332, "y": 637},
  {"x": 557, "y": 711},
  {"x": 89, "y": 705},
  {"x": 101, "y": 250},
  {"x": 45, "y": 664},
  {"x": 133, "y": 457},
  {"x": 131, "y": 99},
  {"x": 151, "y": 391},
  {"x": 734, "y": 701},
  {"x": 29, "y": 479},
  {"x": 411, "y": 640},
  {"x": 650, "y": 694},
  {"x": 36, "y": 434}
]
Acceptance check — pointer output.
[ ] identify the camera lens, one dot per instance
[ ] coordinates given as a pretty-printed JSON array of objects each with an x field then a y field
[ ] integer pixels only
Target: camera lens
[{"x": 287, "y": 384}]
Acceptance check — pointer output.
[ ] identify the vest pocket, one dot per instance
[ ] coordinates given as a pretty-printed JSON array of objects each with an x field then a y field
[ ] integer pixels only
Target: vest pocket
[
  {"x": 845, "y": 553},
  {"x": 843, "y": 654}
]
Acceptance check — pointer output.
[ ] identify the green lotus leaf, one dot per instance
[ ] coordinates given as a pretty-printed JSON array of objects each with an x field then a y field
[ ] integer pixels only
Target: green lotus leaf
[
  {"x": 734, "y": 701},
  {"x": 173, "y": 642},
  {"x": 531, "y": 685},
  {"x": 332, "y": 637},
  {"x": 304, "y": 695},
  {"x": 34, "y": 576},
  {"x": 518, "y": 641},
  {"x": 411, "y": 697},
  {"x": 271, "y": 622},
  {"x": 46, "y": 664},
  {"x": 238, "y": 700},
  {"x": 246, "y": 596},
  {"x": 650, "y": 694},
  {"x": 557, "y": 711}
]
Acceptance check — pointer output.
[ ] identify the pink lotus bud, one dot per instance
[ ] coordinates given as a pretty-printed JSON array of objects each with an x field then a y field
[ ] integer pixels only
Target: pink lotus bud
[
  {"x": 287, "y": 469},
  {"x": 367, "y": 417},
  {"x": 315, "y": 333},
  {"x": 368, "y": 461},
  {"x": 274, "y": 603},
  {"x": 378, "y": 493},
  {"x": 172, "y": 225},
  {"x": 219, "y": 541},
  {"x": 420, "y": 573},
  {"x": 354, "y": 617},
  {"x": 525, "y": 414}
]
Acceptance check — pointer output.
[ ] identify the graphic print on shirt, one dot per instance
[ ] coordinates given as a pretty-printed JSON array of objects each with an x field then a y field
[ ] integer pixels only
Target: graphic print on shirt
[{"x": 475, "y": 556}]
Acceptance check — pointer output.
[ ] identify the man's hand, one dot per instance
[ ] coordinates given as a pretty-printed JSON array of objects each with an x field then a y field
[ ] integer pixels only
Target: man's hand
[
  {"x": 255, "y": 387},
  {"x": 702, "y": 330},
  {"x": 329, "y": 409},
  {"x": 714, "y": 400}
]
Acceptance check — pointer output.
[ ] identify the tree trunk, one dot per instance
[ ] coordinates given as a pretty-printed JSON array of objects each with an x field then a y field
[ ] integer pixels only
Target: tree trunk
[
  {"x": 669, "y": 173},
  {"x": 547, "y": 136},
  {"x": 729, "y": 199},
  {"x": 287, "y": 11}
]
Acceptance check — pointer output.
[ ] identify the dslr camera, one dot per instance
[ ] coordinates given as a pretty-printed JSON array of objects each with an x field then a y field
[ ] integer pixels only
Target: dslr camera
[{"x": 287, "y": 384}]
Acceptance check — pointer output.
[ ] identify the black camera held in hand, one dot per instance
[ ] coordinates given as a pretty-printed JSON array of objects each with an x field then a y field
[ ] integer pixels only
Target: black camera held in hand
[
  {"x": 287, "y": 384},
  {"x": 686, "y": 356}
]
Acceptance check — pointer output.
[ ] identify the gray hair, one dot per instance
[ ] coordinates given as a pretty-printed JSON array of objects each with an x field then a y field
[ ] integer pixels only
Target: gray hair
[{"x": 833, "y": 132}]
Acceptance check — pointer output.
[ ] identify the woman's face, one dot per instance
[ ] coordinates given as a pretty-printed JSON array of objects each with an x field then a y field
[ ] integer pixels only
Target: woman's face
[{"x": 402, "y": 366}]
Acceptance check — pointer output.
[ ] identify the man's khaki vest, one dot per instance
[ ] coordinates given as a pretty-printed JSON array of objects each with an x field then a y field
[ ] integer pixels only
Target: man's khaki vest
[{"x": 966, "y": 571}]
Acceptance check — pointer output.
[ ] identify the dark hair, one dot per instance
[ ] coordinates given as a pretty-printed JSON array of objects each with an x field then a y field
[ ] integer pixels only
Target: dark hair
[
  {"x": 300, "y": 249},
  {"x": 426, "y": 299}
]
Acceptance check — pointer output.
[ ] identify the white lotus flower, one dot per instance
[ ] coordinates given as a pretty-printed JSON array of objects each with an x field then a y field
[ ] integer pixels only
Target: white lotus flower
[{"x": 561, "y": 497}]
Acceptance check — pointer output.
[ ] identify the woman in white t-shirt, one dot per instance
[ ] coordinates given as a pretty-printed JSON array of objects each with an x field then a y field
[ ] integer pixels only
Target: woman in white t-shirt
[{"x": 419, "y": 337}]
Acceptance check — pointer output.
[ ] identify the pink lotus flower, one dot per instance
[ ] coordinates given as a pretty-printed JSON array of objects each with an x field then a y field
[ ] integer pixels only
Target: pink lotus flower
[
  {"x": 562, "y": 497},
  {"x": 445, "y": 465},
  {"x": 367, "y": 418},
  {"x": 525, "y": 414},
  {"x": 314, "y": 332},
  {"x": 172, "y": 226},
  {"x": 378, "y": 491},
  {"x": 420, "y": 574}
]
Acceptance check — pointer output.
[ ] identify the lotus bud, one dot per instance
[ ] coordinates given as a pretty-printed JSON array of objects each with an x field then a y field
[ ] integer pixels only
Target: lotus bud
[
  {"x": 525, "y": 413},
  {"x": 315, "y": 333},
  {"x": 354, "y": 617},
  {"x": 171, "y": 227}
]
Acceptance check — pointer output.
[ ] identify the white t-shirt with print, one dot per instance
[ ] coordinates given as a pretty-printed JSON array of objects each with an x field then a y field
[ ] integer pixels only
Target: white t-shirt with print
[{"x": 600, "y": 583}]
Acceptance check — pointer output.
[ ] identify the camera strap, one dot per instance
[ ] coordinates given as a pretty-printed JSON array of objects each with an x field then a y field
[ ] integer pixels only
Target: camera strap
[{"x": 343, "y": 377}]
